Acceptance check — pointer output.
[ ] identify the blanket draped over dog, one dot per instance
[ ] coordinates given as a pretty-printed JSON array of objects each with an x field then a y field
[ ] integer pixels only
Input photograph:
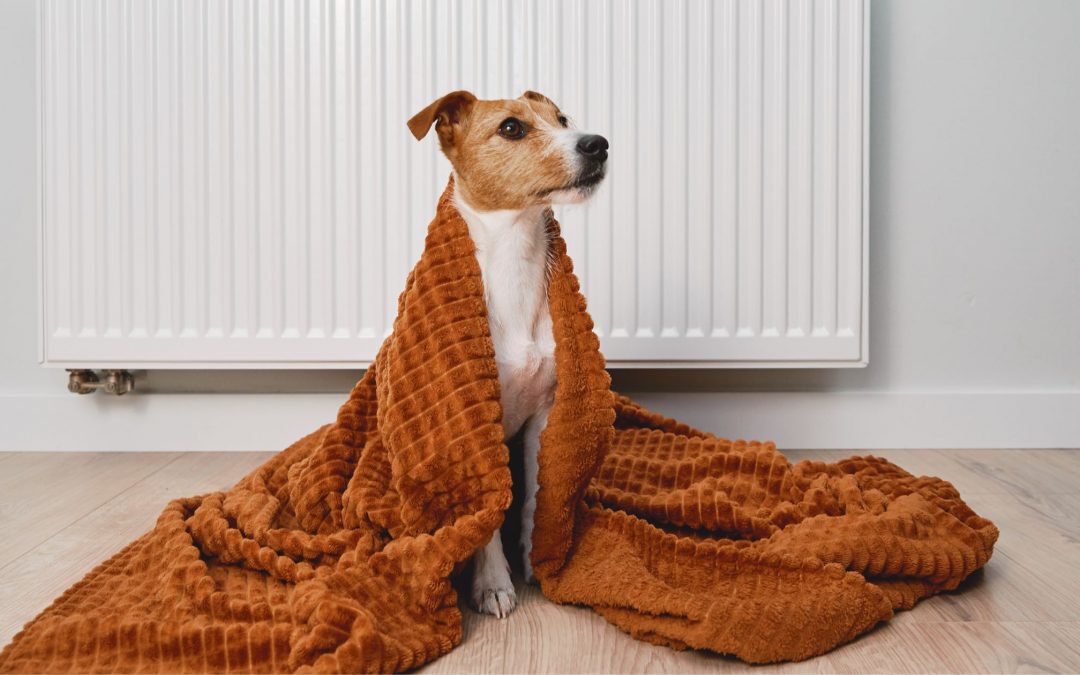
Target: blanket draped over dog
[{"x": 338, "y": 553}]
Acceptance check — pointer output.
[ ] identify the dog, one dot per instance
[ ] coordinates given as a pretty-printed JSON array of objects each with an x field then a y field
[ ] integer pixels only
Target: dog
[{"x": 512, "y": 159}]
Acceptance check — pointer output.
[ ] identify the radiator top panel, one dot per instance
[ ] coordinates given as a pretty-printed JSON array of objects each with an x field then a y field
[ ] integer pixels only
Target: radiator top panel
[{"x": 232, "y": 184}]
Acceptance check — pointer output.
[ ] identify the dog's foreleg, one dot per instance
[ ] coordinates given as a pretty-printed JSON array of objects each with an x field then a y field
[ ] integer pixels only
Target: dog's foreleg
[
  {"x": 533, "y": 427},
  {"x": 492, "y": 589}
]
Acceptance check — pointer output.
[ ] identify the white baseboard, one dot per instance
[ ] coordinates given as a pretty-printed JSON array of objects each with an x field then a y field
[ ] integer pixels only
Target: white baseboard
[
  {"x": 870, "y": 421},
  {"x": 269, "y": 422},
  {"x": 162, "y": 422}
]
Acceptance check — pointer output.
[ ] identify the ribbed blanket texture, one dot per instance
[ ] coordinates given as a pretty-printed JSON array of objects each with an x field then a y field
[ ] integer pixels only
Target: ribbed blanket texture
[{"x": 337, "y": 554}]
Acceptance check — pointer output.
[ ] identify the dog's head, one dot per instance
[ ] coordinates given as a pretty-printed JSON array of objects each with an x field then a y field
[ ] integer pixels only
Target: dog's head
[{"x": 514, "y": 153}]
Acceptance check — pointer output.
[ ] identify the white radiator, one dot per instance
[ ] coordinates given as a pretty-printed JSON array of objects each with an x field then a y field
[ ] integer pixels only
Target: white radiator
[{"x": 231, "y": 184}]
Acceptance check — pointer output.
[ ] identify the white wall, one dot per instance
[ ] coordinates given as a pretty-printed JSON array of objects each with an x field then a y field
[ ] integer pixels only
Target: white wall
[{"x": 974, "y": 268}]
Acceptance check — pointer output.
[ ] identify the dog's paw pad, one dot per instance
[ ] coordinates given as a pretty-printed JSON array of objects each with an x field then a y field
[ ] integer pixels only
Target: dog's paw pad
[{"x": 498, "y": 602}]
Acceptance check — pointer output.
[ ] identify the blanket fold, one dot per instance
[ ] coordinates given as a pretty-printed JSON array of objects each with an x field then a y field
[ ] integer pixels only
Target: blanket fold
[{"x": 338, "y": 553}]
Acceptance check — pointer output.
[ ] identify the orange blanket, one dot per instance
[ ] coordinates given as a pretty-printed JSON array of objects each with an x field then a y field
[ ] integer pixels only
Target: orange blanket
[{"x": 338, "y": 553}]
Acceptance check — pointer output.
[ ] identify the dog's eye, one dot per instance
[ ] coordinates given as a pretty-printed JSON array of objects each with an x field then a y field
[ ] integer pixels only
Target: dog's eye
[
  {"x": 563, "y": 121},
  {"x": 511, "y": 128}
]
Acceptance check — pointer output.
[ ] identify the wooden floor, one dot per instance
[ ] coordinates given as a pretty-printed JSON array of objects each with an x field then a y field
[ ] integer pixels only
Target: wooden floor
[{"x": 62, "y": 513}]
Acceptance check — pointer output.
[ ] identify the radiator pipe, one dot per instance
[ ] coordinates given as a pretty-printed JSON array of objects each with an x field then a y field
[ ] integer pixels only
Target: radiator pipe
[{"x": 118, "y": 382}]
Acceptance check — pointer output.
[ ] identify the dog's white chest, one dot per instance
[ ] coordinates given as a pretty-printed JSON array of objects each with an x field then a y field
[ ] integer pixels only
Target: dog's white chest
[
  {"x": 511, "y": 248},
  {"x": 526, "y": 375}
]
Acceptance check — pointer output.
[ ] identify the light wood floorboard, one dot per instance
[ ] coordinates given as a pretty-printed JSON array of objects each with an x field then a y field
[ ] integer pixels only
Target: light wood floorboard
[
  {"x": 78, "y": 484},
  {"x": 62, "y": 513}
]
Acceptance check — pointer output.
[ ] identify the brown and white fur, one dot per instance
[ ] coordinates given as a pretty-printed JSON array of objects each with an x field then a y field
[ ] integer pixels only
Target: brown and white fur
[{"x": 513, "y": 159}]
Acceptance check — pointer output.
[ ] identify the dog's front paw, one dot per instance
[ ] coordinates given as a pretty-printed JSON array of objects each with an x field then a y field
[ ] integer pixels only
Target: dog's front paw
[
  {"x": 498, "y": 602},
  {"x": 492, "y": 589}
]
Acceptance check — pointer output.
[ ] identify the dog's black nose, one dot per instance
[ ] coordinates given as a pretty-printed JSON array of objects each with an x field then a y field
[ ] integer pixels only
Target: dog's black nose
[{"x": 593, "y": 147}]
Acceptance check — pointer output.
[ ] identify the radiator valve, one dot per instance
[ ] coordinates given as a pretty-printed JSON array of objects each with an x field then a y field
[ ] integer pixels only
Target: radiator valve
[{"x": 118, "y": 382}]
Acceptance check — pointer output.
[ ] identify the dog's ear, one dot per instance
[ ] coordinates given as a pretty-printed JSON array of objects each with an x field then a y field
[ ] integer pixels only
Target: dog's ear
[
  {"x": 444, "y": 113},
  {"x": 537, "y": 96}
]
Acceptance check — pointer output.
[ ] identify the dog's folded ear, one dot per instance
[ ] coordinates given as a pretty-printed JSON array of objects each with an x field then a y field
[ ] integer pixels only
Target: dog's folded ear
[
  {"x": 537, "y": 96},
  {"x": 447, "y": 110}
]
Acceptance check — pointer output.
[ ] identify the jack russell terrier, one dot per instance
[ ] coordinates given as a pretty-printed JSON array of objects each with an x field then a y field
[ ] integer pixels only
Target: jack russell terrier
[{"x": 512, "y": 160}]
